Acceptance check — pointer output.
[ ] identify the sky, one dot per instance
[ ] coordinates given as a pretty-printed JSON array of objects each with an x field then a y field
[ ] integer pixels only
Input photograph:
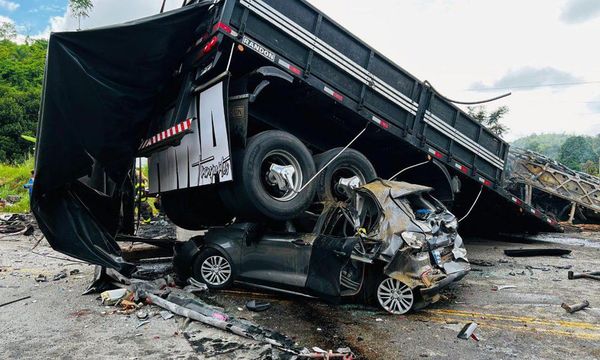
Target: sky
[{"x": 546, "y": 52}]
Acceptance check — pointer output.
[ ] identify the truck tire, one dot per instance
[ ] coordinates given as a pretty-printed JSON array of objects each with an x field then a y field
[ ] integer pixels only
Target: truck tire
[
  {"x": 350, "y": 163},
  {"x": 252, "y": 195},
  {"x": 195, "y": 208}
]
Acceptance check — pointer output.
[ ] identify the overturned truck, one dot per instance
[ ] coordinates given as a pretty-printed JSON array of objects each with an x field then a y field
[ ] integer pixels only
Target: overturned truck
[{"x": 255, "y": 112}]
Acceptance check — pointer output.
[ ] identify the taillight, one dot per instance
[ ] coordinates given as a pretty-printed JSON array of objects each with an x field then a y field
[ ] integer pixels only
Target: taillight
[
  {"x": 210, "y": 45},
  {"x": 223, "y": 27}
]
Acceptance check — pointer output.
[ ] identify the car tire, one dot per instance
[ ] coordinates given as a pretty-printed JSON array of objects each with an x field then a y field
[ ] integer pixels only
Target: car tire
[
  {"x": 252, "y": 195},
  {"x": 195, "y": 208},
  {"x": 214, "y": 269},
  {"x": 350, "y": 163}
]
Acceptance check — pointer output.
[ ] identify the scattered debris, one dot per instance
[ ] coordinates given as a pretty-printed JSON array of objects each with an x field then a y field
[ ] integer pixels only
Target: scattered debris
[
  {"x": 41, "y": 278},
  {"x": 142, "y": 315},
  {"x": 111, "y": 297},
  {"x": 142, "y": 324},
  {"x": 483, "y": 263},
  {"x": 574, "y": 308},
  {"x": 195, "y": 286},
  {"x": 166, "y": 315},
  {"x": 61, "y": 275},
  {"x": 14, "y": 301},
  {"x": 502, "y": 287},
  {"x": 594, "y": 275},
  {"x": 17, "y": 224},
  {"x": 468, "y": 331},
  {"x": 536, "y": 252},
  {"x": 258, "y": 306},
  {"x": 13, "y": 198},
  {"x": 529, "y": 267}
]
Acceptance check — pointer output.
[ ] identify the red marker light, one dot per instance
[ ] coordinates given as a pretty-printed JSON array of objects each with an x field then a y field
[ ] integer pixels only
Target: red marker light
[
  {"x": 222, "y": 26},
  {"x": 295, "y": 70},
  {"x": 210, "y": 45}
]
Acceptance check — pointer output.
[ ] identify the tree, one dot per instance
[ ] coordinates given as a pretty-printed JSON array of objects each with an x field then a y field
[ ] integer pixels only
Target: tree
[
  {"x": 8, "y": 31},
  {"x": 490, "y": 120},
  {"x": 80, "y": 9},
  {"x": 21, "y": 77},
  {"x": 576, "y": 151},
  {"x": 590, "y": 167}
]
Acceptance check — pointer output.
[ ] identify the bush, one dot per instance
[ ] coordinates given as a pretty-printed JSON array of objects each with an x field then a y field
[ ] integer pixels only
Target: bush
[{"x": 12, "y": 179}]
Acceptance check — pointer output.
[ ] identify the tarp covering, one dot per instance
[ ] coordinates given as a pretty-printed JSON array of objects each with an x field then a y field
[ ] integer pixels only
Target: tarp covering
[{"x": 100, "y": 93}]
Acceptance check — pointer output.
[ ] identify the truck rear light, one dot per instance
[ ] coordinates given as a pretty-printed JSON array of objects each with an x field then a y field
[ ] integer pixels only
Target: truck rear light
[
  {"x": 222, "y": 26},
  {"x": 210, "y": 45}
]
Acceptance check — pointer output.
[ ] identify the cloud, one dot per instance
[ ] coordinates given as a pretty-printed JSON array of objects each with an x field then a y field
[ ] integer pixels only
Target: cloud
[
  {"x": 579, "y": 11},
  {"x": 4, "y": 19},
  {"x": 529, "y": 78},
  {"x": 9, "y": 5},
  {"x": 594, "y": 105}
]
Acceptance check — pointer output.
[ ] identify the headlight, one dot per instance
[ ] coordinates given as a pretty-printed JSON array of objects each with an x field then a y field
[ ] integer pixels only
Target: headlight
[{"x": 413, "y": 239}]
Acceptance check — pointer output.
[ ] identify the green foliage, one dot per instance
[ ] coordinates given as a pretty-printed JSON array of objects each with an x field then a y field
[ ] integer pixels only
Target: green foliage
[
  {"x": 545, "y": 144},
  {"x": 80, "y": 9},
  {"x": 21, "y": 77},
  {"x": 576, "y": 151},
  {"x": 490, "y": 120},
  {"x": 8, "y": 31},
  {"x": 590, "y": 167},
  {"x": 12, "y": 179}
]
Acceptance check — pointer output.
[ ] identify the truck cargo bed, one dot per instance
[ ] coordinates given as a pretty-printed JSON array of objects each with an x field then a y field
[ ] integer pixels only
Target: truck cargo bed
[{"x": 297, "y": 37}]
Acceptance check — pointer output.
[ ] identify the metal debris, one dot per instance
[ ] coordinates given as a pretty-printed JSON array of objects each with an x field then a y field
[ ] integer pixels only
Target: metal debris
[
  {"x": 166, "y": 315},
  {"x": 142, "y": 324},
  {"x": 60, "y": 275},
  {"x": 594, "y": 275},
  {"x": 14, "y": 301},
  {"x": 468, "y": 331},
  {"x": 41, "y": 278},
  {"x": 574, "y": 308}
]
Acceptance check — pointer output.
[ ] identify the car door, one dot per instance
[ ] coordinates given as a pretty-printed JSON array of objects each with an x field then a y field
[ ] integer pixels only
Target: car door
[{"x": 279, "y": 259}]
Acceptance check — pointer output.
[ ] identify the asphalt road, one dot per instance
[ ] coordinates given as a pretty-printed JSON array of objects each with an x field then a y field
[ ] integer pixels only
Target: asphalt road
[{"x": 524, "y": 322}]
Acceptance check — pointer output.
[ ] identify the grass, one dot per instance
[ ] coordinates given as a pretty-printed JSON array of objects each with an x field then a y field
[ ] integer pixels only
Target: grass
[{"x": 12, "y": 179}]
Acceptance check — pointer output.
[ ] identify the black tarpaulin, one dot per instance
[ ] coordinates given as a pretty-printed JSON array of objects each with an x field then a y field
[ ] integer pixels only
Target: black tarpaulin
[{"x": 100, "y": 93}]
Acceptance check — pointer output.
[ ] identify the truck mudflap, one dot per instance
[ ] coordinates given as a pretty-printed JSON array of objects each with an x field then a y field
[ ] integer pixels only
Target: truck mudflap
[
  {"x": 100, "y": 93},
  {"x": 203, "y": 155}
]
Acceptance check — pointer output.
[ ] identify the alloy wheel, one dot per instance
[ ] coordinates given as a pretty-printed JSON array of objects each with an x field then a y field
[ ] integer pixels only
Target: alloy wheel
[
  {"x": 215, "y": 270},
  {"x": 395, "y": 296}
]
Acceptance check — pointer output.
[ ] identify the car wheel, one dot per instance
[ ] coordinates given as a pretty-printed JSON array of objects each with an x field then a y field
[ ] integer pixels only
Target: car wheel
[
  {"x": 188, "y": 208},
  {"x": 214, "y": 269},
  {"x": 349, "y": 164},
  {"x": 256, "y": 193},
  {"x": 394, "y": 296}
]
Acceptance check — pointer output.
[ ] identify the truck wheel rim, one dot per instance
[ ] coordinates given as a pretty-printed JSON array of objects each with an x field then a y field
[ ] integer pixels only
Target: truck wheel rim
[
  {"x": 394, "y": 296},
  {"x": 283, "y": 158},
  {"x": 340, "y": 173},
  {"x": 216, "y": 270}
]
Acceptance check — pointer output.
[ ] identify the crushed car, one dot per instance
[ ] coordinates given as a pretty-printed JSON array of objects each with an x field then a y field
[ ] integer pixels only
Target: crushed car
[{"x": 391, "y": 243}]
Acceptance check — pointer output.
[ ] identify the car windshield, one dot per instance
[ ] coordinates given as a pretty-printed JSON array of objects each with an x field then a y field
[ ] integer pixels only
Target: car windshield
[
  {"x": 423, "y": 205},
  {"x": 344, "y": 219}
]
